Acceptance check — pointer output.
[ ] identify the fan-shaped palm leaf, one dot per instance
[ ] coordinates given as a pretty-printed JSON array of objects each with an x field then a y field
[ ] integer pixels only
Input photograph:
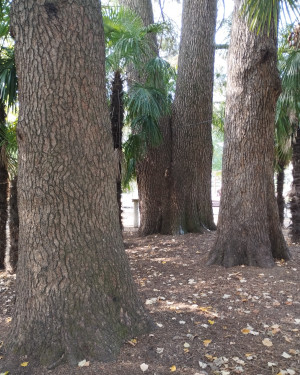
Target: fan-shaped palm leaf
[{"x": 260, "y": 13}]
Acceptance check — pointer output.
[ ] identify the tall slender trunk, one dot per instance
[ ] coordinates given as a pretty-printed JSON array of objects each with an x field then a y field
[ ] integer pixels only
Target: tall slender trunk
[
  {"x": 3, "y": 190},
  {"x": 153, "y": 172},
  {"x": 117, "y": 123},
  {"x": 192, "y": 119},
  {"x": 75, "y": 298},
  {"x": 249, "y": 230},
  {"x": 279, "y": 191},
  {"x": 295, "y": 195},
  {"x": 13, "y": 224}
]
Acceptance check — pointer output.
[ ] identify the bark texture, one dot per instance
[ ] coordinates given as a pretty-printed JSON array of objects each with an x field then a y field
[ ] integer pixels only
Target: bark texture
[
  {"x": 295, "y": 195},
  {"x": 249, "y": 230},
  {"x": 75, "y": 296},
  {"x": 117, "y": 123},
  {"x": 279, "y": 191},
  {"x": 192, "y": 119},
  {"x": 3, "y": 191},
  {"x": 13, "y": 225},
  {"x": 153, "y": 172}
]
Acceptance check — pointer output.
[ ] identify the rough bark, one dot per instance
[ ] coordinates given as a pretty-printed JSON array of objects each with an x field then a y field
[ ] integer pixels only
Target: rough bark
[
  {"x": 279, "y": 191},
  {"x": 117, "y": 123},
  {"x": 192, "y": 118},
  {"x": 3, "y": 191},
  {"x": 249, "y": 230},
  {"x": 13, "y": 225},
  {"x": 295, "y": 195},
  {"x": 153, "y": 172},
  {"x": 75, "y": 296}
]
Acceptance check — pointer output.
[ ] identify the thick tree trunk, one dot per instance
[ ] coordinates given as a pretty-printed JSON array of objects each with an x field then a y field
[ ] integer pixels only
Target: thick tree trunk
[
  {"x": 153, "y": 172},
  {"x": 249, "y": 230},
  {"x": 3, "y": 191},
  {"x": 13, "y": 224},
  {"x": 75, "y": 296},
  {"x": 117, "y": 123},
  {"x": 192, "y": 119},
  {"x": 279, "y": 191},
  {"x": 295, "y": 195},
  {"x": 153, "y": 178}
]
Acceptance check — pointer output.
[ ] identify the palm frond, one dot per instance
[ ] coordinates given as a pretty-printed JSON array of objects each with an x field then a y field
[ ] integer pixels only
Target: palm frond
[
  {"x": 159, "y": 73},
  {"x": 8, "y": 77},
  {"x": 260, "y": 14},
  {"x": 146, "y": 100}
]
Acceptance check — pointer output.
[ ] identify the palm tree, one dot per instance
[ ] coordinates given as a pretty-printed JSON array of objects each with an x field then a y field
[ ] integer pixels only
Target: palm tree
[{"x": 129, "y": 49}]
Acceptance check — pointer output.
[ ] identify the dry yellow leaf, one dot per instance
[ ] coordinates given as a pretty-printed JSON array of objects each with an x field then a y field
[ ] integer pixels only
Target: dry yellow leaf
[
  {"x": 8, "y": 320},
  {"x": 267, "y": 342},
  {"x": 164, "y": 262},
  {"x": 132, "y": 342},
  {"x": 173, "y": 368},
  {"x": 209, "y": 357},
  {"x": 186, "y": 350},
  {"x": 245, "y": 331},
  {"x": 206, "y": 342},
  {"x": 24, "y": 364},
  {"x": 211, "y": 322}
]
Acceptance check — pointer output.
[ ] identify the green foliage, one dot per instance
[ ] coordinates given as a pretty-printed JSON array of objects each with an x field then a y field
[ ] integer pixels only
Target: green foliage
[
  {"x": 218, "y": 135},
  {"x": 288, "y": 105},
  {"x": 259, "y": 13},
  {"x": 8, "y": 77},
  {"x": 4, "y": 18},
  {"x": 130, "y": 46},
  {"x": 9, "y": 147}
]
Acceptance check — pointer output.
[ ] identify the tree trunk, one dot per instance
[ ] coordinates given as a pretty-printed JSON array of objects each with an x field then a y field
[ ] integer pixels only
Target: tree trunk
[
  {"x": 249, "y": 230},
  {"x": 279, "y": 196},
  {"x": 75, "y": 296},
  {"x": 3, "y": 190},
  {"x": 153, "y": 172},
  {"x": 13, "y": 224},
  {"x": 117, "y": 123},
  {"x": 192, "y": 120},
  {"x": 295, "y": 195}
]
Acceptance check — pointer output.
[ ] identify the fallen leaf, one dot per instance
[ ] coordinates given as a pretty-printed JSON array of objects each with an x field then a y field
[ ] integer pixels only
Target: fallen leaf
[
  {"x": 173, "y": 368},
  {"x": 206, "y": 342},
  {"x": 211, "y": 322},
  {"x": 210, "y": 357},
  {"x": 159, "y": 350},
  {"x": 83, "y": 363},
  {"x": 285, "y": 355},
  {"x": 4, "y": 373},
  {"x": 24, "y": 364},
  {"x": 267, "y": 342},
  {"x": 186, "y": 345},
  {"x": 272, "y": 364},
  {"x": 8, "y": 320},
  {"x": 144, "y": 367},
  {"x": 238, "y": 360},
  {"x": 202, "y": 364},
  {"x": 132, "y": 342},
  {"x": 245, "y": 331}
]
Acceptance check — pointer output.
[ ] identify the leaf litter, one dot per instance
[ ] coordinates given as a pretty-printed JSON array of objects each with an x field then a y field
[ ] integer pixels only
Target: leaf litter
[{"x": 209, "y": 320}]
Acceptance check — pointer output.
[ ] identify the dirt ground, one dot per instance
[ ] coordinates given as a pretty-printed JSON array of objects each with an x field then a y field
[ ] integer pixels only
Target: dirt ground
[{"x": 209, "y": 320}]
